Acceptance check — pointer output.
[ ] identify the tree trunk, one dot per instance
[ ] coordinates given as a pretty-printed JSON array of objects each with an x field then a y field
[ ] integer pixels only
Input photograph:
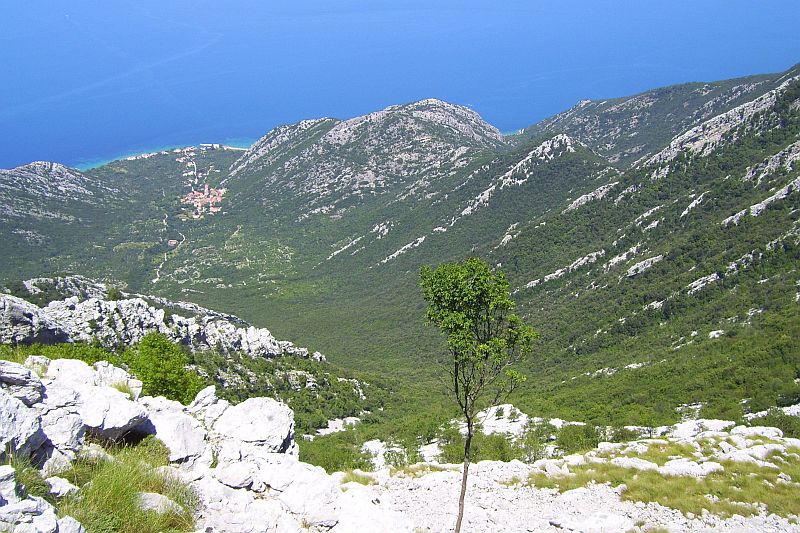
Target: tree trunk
[{"x": 465, "y": 472}]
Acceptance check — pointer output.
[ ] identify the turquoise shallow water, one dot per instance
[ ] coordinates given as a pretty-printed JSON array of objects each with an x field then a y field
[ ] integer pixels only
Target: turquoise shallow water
[
  {"x": 94, "y": 163},
  {"x": 87, "y": 81}
]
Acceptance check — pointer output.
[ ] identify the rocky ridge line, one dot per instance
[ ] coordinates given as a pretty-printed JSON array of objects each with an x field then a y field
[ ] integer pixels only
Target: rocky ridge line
[{"x": 88, "y": 315}]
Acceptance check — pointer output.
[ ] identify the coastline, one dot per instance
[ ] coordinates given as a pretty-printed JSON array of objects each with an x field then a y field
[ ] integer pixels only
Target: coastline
[{"x": 88, "y": 164}]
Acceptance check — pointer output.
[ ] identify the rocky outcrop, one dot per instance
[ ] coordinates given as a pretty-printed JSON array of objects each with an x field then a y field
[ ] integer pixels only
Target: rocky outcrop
[
  {"x": 24, "y": 514},
  {"x": 330, "y": 164},
  {"x": 86, "y": 314},
  {"x": 240, "y": 460}
]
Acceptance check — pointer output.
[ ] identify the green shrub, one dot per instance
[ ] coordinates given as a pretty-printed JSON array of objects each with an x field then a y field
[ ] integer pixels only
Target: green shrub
[
  {"x": 577, "y": 438},
  {"x": 338, "y": 452},
  {"x": 494, "y": 447},
  {"x": 622, "y": 434},
  {"x": 114, "y": 294},
  {"x": 534, "y": 441},
  {"x": 161, "y": 366},
  {"x": 790, "y": 425}
]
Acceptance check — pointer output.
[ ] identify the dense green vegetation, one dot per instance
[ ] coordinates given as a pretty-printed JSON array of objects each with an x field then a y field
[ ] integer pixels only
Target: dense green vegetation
[{"x": 614, "y": 348}]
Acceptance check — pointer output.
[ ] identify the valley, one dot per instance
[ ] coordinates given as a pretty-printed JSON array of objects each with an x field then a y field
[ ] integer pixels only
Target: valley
[
  {"x": 677, "y": 250},
  {"x": 652, "y": 241}
]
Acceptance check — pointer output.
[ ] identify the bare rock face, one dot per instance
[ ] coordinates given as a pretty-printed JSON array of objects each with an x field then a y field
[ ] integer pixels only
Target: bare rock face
[
  {"x": 20, "y": 427},
  {"x": 264, "y": 422},
  {"x": 86, "y": 315},
  {"x": 21, "y": 322},
  {"x": 20, "y": 382}
]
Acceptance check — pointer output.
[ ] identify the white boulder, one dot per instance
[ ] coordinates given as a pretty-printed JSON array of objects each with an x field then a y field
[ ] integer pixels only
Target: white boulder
[
  {"x": 180, "y": 432},
  {"x": 60, "y": 487},
  {"x": 265, "y": 422},
  {"x": 757, "y": 431},
  {"x": 20, "y": 428},
  {"x": 20, "y": 383},
  {"x": 687, "y": 467},
  {"x": 108, "y": 413},
  {"x": 152, "y": 501},
  {"x": 8, "y": 485},
  {"x": 61, "y": 424},
  {"x": 634, "y": 462},
  {"x": 68, "y": 524}
]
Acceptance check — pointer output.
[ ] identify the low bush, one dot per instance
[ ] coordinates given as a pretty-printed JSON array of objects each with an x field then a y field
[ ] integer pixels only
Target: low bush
[
  {"x": 338, "y": 452},
  {"x": 161, "y": 366},
  {"x": 575, "y": 438}
]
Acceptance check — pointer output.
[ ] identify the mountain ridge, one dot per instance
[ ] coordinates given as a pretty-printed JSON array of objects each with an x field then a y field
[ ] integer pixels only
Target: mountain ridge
[{"x": 317, "y": 228}]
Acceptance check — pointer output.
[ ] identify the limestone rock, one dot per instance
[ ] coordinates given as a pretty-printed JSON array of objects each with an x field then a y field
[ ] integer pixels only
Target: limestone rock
[
  {"x": 207, "y": 407},
  {"x": 757, "y": 431},
  {"x": 94, "y": 452},
  {"x": 70, "y": 525},
  {"x": 61, "y": 424},
  {"x": 8, "y": 485},
  {"x": 108, "y": 375},
  {"x": 235, "y": 475},
  {"x": 228, "y": 510},
  {"x": 261, "y": 421},
  {"x": 21, "y": 321},
  {"x": 152, "y": 501},
  {"x": 692, "y": 428},
  {"x": 362, "y": 510},
  {"x": 31, "y": 515},
  {"x": 20, "y": 428},
  {"x": 20, "y": 383},
  {"x": 87, "y": 316},
  {"x": 182, "y": 434},
  {"x": 108, "y": 413},
  {"x": 72, "y": 372},
  {"x": 601, "y": 522},
  {"x": 687, "y": 467},
  {"x": 60, "y": 487},
  {"x": 634, "y": 462}
]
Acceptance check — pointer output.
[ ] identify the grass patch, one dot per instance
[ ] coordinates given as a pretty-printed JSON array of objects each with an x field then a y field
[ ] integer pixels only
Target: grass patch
[
  {"x": 661, "y": 453},
  {"x": 124, "y": 388},
  {"x": 739, "y": 489},
  {"x": 357, "y": 477},
  {"x": 29, "y": 477},
  {"x": 107, "y": 500},
  {"x": 417, "y": 470}
]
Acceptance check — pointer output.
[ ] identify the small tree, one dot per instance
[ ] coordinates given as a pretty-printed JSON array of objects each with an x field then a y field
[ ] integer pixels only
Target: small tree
[{"x": 473, "y": 308}]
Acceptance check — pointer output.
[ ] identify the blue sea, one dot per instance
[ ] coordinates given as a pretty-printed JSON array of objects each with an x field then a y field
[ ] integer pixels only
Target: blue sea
[{"x": 85, "y": 81}]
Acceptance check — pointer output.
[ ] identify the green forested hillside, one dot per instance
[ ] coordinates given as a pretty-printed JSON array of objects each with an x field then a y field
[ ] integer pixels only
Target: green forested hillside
[{"x": 651, "y": 240}]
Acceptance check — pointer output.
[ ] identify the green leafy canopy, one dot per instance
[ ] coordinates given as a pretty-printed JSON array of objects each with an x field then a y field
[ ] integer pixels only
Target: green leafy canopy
[{"x": 473, "y": 308}]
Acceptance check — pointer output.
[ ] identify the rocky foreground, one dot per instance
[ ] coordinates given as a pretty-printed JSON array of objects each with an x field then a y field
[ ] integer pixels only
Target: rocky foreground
[{"x": 241, "y": 462}]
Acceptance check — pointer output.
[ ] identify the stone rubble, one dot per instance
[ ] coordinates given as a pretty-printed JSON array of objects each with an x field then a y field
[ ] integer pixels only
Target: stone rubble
[{"x": 240, "y": 460}]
